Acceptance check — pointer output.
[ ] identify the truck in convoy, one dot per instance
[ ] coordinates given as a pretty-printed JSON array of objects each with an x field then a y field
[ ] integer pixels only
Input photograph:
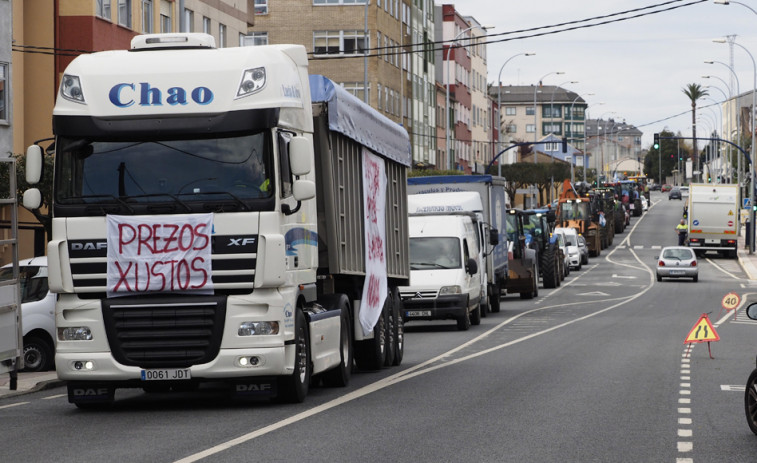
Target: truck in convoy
[
  {"x": 221, "y": 216},
  {"x": 11, "y": 334},
  {"x": 713, "y": 216},
  {"x": 491, "y": 189}
]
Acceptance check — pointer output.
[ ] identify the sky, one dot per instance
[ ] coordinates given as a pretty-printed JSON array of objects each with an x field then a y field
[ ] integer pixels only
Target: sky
[{"x": 636, "y": 68}]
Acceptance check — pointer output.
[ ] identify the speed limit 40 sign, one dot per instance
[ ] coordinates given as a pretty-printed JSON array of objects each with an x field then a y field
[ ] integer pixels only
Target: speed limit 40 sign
[{"x": 731, "y": 301}]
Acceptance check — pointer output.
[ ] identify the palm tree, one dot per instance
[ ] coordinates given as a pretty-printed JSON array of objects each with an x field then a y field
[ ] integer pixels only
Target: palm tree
[{"x": 694, "y": 92}]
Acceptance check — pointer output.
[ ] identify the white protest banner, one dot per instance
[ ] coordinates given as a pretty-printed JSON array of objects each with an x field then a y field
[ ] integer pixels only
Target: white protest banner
[
  {"x": 374, "y": 202},
  {"x": 169, "y": 253}
]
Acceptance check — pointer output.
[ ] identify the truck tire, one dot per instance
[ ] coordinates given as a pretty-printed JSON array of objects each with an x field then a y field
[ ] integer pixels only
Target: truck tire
[
  {"x": 294, "y": 388},
  {"x": 750, "y": 401},
  {"x": 399, "y": 327},
  {"x": 619, "y": 227},
  {"x": 339, "y": 376},
  {"x": 38, "y": 354},
  {"x": 549, "y": 269},
  {"x": 463, "y": 323},
  {"x": 370, "y": 354},
  {"x": 391, "y": 329},
  {"x": 494, "y": 301}
]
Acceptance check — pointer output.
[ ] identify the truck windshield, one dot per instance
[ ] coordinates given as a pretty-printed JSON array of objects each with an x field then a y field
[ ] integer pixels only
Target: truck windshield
[
  {"x": 435, "y": 252},
  {"x": 136, "y": 172},
  {"x": 574, "y": 211}
]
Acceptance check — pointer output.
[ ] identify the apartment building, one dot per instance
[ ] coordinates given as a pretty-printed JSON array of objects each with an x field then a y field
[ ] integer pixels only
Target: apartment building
[
  {"x": 481, "y": 139},
  {"x": 614, "y": 147},
  {"x": 378, "y": 50},
  {"x": 531, "y": 112}
]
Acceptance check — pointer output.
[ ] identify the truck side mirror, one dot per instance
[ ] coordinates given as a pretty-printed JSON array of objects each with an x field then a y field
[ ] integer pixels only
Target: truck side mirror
[
  {"x": 303, "y": 189},
  {"x": 493, "y": 236},
  {"x": 471, "y": 266},
  {"x": 34, "y": 164},
  {"x": 32, "y": 199},
  {"x": 300, "y": 156}
]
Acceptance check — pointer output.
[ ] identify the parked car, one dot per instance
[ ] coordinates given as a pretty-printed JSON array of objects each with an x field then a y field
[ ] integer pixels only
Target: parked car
[
  {"x": 677, "y": 262},
  {"x": 37, "y": 313},
  {"x": 563, "y": 244},
  {"x": 666, "y": 188},
  {"x": 675, "y": 193},
  {"x": 583, "y": 249}
]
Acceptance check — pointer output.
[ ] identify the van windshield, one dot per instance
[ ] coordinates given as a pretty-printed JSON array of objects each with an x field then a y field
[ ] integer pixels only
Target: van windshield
[{"x": 435, "y": 252}]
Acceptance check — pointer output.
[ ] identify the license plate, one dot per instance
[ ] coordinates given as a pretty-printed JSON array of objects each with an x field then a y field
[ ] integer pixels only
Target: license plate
[
  {"x": 166, "y": 374},
  {"x": 418, "y": 313},
  {"x": 677, "y": 272}
]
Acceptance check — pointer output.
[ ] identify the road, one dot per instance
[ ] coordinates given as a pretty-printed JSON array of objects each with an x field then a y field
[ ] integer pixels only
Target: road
[{"x": 595, "y": 370}]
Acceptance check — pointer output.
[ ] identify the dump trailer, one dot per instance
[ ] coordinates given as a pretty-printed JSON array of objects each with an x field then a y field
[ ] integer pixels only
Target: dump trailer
[
  {"x": 11, "y": 332},
  {"x": 713, "y": 216},
  {"x": 221, "y": 216},
  {"x": 494, "y": 198}
]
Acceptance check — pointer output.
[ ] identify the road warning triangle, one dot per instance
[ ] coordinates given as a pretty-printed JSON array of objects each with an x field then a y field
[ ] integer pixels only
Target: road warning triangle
[{"x": 703, "y": 331}]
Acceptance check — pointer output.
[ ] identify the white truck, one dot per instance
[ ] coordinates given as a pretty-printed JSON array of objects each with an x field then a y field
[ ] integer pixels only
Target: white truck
[
  {"x": 491, "y": 189},
  {"x": 713, "y": 218},
  {"x": 11, "y": 339},
  {"x": 221, "y": 216}
]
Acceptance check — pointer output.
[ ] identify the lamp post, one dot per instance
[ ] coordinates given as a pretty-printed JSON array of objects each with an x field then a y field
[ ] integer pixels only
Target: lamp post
[
  {"x": 722, "y": 123},
  {"x": 728, "y": 2},
  {"x": 536, "y": 131},
  {"x": 736, "y": 104},
  {"x": 727, "y": 129},
  {"x": 752, "y": 169},
  {"x": 451, "y": 45},
  {"x": 573, "y": 158},
  {"x": 499, "y": 102},
  {"x": 586, "y": 112},
  {"x": 601, "y": 169}
]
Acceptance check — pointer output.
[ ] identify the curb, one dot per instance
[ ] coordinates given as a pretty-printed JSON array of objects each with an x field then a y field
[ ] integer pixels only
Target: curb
[{"x": 41, "y": 386}]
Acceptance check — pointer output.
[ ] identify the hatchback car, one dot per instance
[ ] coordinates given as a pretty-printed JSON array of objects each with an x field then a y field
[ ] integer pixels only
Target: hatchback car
[
  {"x": 675, "y": 193},
  {"x": 583, "y": 249},
  {"x": 677, "y": 262},
  {"x": 37, "y": 313},
  {"x": 666, "y": 188}
]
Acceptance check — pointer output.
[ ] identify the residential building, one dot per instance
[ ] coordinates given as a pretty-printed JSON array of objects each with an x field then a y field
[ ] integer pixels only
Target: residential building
[
  {"x": 6, "y": 120},
  {"x": 379, "y": 51},
  {"x": 614, "y": 147},
  {"x": 529, "y": 113},
  {"x": 480, "y": 101}
]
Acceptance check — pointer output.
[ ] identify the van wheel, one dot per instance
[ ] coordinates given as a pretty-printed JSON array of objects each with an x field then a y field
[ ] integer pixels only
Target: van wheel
[
  {"x": 463, "y": 323},
  {"x": 38, "y": 354},
  {"x": 475, "y": 318}
]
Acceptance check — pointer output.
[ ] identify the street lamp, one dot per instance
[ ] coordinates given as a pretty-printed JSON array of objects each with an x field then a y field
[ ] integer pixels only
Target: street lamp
[
  {"x": 587, "y": 117},
  {"x": 752, "y": 169},
  {"x": 728, "y": 2},
  {"x": 736, "y": 116},
  {"x": 499, "y": 103},
  {"x": 601, "y": 169},
  {"x": 536, "y": 132},
  {"x": 573, "y": 158},
  {"x": 727, "y": 124},
  {"x": 722, "y": 123},
  {"x": 451, "y": 45}
]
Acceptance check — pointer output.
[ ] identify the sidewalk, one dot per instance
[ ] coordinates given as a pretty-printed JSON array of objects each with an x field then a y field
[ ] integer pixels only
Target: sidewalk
[
  {"x": 28, "y": 382},
  {"x": 748, "y": 262}
]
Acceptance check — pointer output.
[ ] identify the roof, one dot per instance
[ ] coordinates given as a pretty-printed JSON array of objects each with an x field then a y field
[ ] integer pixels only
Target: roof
[
  {"x": 524, "y": 94},
  {"x": 596, "y": 127}
]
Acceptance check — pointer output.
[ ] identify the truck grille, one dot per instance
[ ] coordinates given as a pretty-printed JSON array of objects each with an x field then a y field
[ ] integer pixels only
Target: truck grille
[{"x": 156, "y": 332}]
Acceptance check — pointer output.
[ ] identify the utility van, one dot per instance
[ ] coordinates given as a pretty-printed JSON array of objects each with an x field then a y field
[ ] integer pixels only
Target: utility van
[{"x": 444, "y": 266}]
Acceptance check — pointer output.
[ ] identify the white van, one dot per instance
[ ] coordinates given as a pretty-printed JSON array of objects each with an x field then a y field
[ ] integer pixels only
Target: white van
[
  {"x": 444, "y": 266},
  {"x": 573, "y": 252}
]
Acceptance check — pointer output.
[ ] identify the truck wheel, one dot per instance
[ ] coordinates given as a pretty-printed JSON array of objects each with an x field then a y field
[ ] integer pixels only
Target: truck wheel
[
  {"x": 340, "y": 375},
  {"x": 494, "y": 302},
  {"x": 399, "y": 326},
  {"x": 475, "y": 318},
  {"x": 371, "y": 353},
  {"x": 391, "y": 330},
  {"x": 295, "y": 387},
  {"x": 38, "y": 354},
  {"x": 750, "y": 401},
  {"x": 463, "y": 323}
]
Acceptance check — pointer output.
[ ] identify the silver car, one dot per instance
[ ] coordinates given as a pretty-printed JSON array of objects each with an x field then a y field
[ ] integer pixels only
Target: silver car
[
  {"x": 583, "y": 249},
  {"x": 677, "y": 262}
]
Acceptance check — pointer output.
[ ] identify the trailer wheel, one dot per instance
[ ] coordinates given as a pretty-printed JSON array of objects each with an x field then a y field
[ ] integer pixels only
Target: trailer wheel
[
  {"x": 399, "y": 327},
  {"x": 340, "y": 375},
  {"x": 371, "y": 353},
  {"x": 391, "y": 330},
  {"x": 295, "y": 387},
  {"x": 750, "y": 401}
]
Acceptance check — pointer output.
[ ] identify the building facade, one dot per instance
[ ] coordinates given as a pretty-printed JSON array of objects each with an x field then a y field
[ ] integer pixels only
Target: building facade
[{"x": 614, "y": 147}]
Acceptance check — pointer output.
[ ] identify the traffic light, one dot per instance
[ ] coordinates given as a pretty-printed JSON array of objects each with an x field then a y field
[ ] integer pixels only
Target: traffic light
[
  {"x": 672, "y": 157},
  {"x": 564, "y": 145},
  {"x": 656, "y": 144}
]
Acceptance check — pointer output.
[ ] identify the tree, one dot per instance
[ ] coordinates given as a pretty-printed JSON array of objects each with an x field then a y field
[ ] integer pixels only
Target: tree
[
  {"x": 694, "y": 92},
  {"x": 45, "y": 187}
]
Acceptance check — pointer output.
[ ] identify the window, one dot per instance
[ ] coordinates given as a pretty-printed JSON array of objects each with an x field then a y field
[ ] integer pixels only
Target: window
[
  {"x": 357, "y": 89},
  {"x": 511, "y": 128},
  {"x": 4, "y": 110},
  {"x": 529, "y": 110},
  {"x": 261, "y": 6},
  {"x": 124, "y": 13},
  {"x": 189, "y": 20},
  {"x": 552, "y": 127},
  {"x": 103, "y": 9},
  {"x": 166, "y": 24},
  {"x": 221, "y": 36},
  {"x": 530, "y": 128},
  {"x": 255, "y": 38},
  {"x": 510, "y": 110},
  {"x": 339, "y": 42},
  {"x": 147, "y": 16},
  {"x": 206, "y": 24},
  {"x": 284, "y": 169}
]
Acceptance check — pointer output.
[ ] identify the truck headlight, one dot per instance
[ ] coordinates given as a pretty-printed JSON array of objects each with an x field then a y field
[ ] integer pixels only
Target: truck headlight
[
  {"x": 454, "y": 289},
  {"x": 70, "y": 88},
  {"x": 258, "y": 328},
  {"x": 75, "y": 333},
  {"x": 253, "y": 80}
]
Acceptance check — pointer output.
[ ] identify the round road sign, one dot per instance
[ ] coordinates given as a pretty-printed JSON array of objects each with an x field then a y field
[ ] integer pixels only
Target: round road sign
[{"x": 731, "y": 301}]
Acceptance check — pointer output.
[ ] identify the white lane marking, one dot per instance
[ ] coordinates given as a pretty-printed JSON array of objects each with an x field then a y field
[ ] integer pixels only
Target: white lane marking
[
  {"x": 684, "y": 460},
  {"x": 685, "y": 392},
  {"x": 684, "y": 401},
  {"x": 57, "y": 396},
  {"x": 685, "y": 433},
  {"x": 13, "y": 405},
  {"x": 684, "y": 411},
  {"x": 684, "y": 420},
  {"x": 686, "y": 385},
  {"x": 414, "y": 371},
  {"x": 685, "y": 447},
  {"x": 722, "y": 269},
  {"x": 729, "y": 388}
]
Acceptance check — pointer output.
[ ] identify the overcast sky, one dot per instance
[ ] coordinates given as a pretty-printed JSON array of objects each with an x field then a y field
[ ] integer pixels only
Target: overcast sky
[{"x": 637, "y": 67}]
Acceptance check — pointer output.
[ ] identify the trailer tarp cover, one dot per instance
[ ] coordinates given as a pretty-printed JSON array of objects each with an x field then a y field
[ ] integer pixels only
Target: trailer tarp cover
[{"x": 358, "y": 121}]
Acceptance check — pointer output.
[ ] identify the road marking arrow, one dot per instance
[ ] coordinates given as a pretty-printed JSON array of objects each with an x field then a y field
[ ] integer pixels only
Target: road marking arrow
[
  {"x": 615, "y": 275},
  {"x": 593, "y": 293}
]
